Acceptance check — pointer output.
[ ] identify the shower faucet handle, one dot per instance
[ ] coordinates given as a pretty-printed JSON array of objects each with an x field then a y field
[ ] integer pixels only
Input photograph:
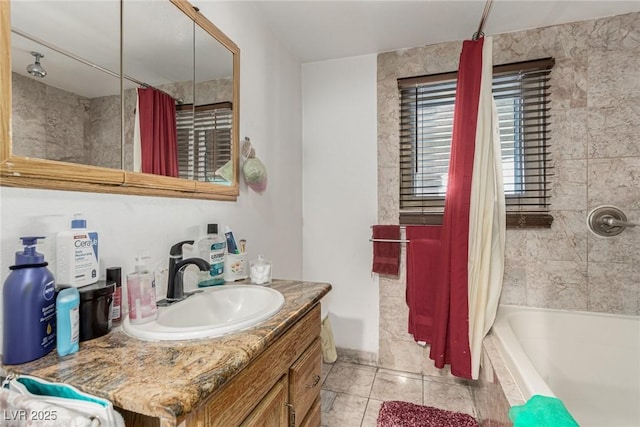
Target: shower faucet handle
[
  {"x": 608, "y": 221},
  {"x": 613, "y": 222}
]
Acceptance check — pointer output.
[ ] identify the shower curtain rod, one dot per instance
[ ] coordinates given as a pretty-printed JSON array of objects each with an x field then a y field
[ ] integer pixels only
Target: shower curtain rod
[
  {"x": 86, "y": 62},
  {"x": 485, "y": 14}
]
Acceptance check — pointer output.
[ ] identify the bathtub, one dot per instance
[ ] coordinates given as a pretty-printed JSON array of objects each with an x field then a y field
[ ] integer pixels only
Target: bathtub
[{"x": 591, "y": 361}]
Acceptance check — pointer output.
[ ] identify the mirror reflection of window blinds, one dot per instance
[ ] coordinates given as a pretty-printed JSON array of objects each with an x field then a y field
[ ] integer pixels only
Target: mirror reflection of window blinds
[{"x": 204, "y": 139}]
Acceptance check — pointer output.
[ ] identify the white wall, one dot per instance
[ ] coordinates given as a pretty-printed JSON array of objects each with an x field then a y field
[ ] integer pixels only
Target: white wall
[
  {"x": 340, "y": 192},
  {"x": 270, "y": 115}
]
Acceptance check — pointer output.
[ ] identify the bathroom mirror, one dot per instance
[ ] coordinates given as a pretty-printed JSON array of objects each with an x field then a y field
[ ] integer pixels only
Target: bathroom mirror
[{"x": 177, "y": 51}]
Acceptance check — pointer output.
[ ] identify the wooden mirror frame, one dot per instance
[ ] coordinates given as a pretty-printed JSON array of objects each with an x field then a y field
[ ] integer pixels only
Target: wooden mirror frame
[{"x": 18, "y": 171}]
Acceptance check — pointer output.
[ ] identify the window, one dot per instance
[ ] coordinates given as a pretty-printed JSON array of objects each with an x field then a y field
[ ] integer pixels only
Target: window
[
  {"x": 204, "y": 140},
  {"x": 521, "y": 92}
]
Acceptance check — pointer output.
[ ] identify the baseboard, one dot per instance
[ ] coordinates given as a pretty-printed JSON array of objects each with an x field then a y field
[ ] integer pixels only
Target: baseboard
[{"x": 357, "y": 356}]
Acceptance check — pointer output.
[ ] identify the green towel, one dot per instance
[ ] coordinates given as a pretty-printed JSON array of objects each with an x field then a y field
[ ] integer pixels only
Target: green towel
[{"x": 541, "y": 411}]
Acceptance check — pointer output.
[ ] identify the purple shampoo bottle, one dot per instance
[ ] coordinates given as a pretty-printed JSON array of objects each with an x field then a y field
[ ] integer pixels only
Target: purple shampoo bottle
[{"x": 29, "y": 307}]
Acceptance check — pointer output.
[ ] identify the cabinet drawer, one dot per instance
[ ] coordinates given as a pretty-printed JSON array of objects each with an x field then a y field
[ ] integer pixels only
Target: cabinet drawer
[
  {"x": 304, "y": 380},
  {"x": 313, "y": 417}
]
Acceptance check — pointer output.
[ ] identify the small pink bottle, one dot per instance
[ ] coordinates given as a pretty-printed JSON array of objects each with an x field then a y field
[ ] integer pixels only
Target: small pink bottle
[{"x": 141, "y": 294}]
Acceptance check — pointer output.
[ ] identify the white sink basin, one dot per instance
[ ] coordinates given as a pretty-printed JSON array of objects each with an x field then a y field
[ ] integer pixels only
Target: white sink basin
[{"x": 214, "y": 312}]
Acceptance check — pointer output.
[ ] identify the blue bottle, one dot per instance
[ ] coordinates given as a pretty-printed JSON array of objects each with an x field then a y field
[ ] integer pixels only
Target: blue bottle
[
  {"x": 68, "y": 321},
  {"x": 29, "y": 307}
]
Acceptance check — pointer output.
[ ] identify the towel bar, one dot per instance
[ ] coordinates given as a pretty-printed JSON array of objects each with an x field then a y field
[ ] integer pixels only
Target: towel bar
[{"x": 402, "y": 227}]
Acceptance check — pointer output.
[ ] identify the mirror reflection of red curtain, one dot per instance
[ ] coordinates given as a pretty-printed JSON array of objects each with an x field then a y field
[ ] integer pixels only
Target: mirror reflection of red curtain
[{"x": 158, "y": 134}]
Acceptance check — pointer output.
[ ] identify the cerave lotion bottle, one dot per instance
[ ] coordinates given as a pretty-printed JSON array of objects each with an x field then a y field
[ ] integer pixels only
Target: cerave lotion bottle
[{"x": 77, "y": 257}]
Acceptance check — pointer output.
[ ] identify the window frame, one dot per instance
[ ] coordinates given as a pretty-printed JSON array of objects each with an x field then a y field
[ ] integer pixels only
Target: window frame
[{"x": 431, "y": 213}]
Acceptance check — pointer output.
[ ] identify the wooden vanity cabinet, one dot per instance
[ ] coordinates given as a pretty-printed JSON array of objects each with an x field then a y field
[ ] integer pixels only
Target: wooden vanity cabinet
[{"x": 280, "y": 388}]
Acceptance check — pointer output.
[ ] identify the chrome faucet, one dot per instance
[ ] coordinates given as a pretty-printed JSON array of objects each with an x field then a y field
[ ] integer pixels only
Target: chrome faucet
[{"x": 177, "y": 265}]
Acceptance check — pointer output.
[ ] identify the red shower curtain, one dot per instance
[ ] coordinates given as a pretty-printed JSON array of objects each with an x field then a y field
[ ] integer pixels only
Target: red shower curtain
[
  {"x": 158, "y": 134},
  {"x": 438, "y": 299}
]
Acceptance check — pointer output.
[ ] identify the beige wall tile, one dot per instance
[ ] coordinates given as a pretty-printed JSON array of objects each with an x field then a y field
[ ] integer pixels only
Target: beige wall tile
[
  {"x": 516, "y": 245},
  {"x": 620, "y": 32},
  {"x": 392, "y": 288},
  {"x": 514, "y": 288},
  {"x": 566, "y": 240},
  {"x": 104, "y": 136},
  {"x": 388, "y": 201},
  {"x": 557, "y": 284},
  {"x": 28, "y": 117},
  {"x": 614, "y": 182},
  {"x": 613, "y": 76},
  {"x": 613, "y": 287},
  {"x": 569, "y": 133},
  {"x": 569, "y": 185},
  {"x": 392, "y": 312},
  {"x": 614, "y": 131},
  {"x": 569, "y": 78}
]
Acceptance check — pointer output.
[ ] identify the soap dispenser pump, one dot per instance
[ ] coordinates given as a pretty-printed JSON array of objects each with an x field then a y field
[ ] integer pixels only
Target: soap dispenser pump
[{"x": 28, "y": 307}]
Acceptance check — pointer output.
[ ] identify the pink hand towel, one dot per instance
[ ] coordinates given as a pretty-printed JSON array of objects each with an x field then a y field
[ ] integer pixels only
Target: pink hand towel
[{"x": 386, "y": 255}]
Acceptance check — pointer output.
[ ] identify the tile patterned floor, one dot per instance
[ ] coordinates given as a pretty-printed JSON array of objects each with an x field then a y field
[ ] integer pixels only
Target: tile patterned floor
[{"x": 351, "y": 394}]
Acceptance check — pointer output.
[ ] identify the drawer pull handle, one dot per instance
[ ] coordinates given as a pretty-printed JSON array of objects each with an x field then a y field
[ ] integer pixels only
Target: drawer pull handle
[{"x": 316, "y": 380}]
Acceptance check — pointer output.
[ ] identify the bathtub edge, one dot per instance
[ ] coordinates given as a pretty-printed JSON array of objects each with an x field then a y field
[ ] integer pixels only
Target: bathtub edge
[{"x": 495, "y": 391}]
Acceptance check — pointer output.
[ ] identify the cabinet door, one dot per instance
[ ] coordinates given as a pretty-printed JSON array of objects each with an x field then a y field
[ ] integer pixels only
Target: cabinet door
[
  {"x": 304, "y": 380},
  {"x": 272, "y": 410}
]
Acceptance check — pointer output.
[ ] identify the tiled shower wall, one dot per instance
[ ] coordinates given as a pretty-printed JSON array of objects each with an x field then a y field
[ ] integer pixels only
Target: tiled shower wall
[
  {"x": 51, "y": 123},
  {"x": 595, "y": 147},
  {"x": 48, "y": 122},
  {"x": 55, "y": 124}
]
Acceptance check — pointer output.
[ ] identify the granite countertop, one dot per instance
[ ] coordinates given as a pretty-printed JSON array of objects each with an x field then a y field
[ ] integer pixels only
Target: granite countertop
[{"x": 168, "y": 379}]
